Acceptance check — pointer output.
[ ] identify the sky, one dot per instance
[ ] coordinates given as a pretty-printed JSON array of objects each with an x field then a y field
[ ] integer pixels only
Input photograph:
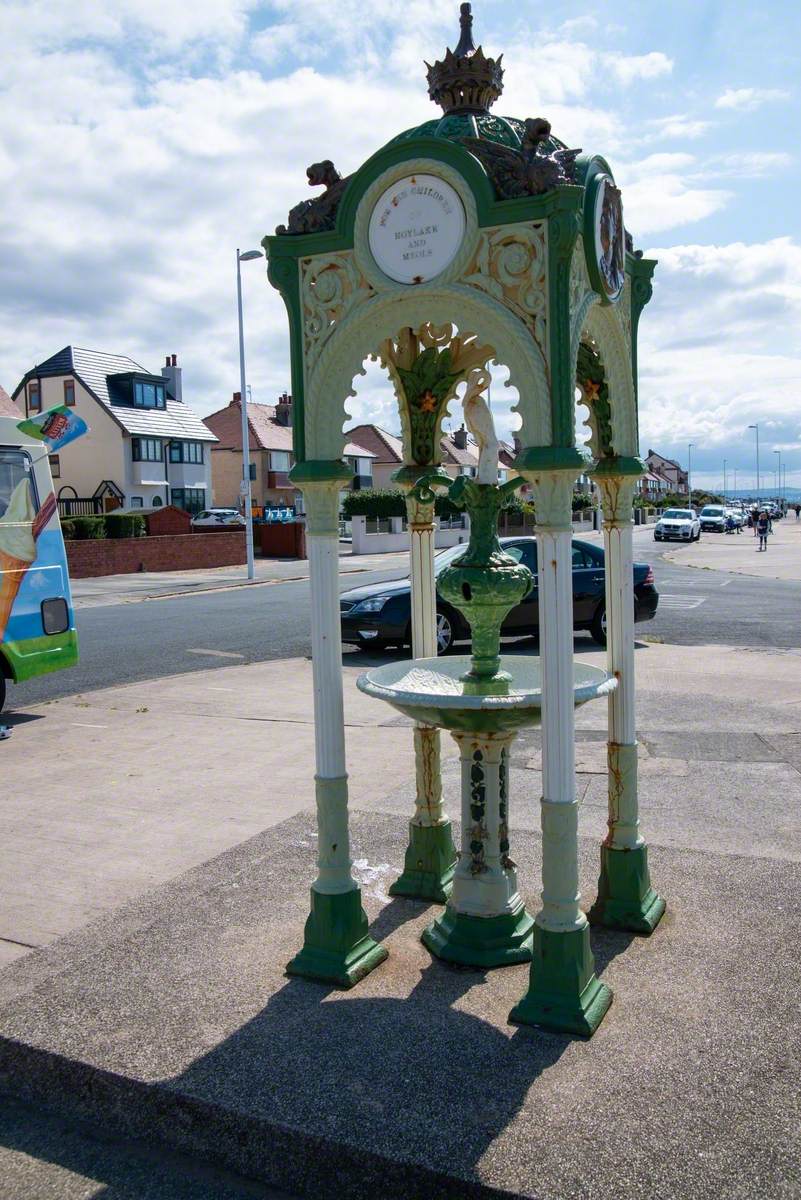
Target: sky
[{"x": 142, "y": 141}]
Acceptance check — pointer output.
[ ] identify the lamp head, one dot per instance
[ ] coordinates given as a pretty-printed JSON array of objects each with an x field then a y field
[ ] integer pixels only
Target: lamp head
[{"x": 247, "y": 255}]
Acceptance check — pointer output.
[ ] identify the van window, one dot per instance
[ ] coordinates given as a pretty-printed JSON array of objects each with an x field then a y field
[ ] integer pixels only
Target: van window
[{"x": 15, "y": 467}]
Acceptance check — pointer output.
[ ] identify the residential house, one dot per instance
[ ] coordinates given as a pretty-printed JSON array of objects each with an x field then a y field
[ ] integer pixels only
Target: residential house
[
  {"x": 654, "y": 487},
  {"x": 7, "y": 406},
  {"x": 458, "y": 449},
  {"x": 669, "y": 470},
  {"x": 145, "y": 447},
  {"x": 270, "y": 442}
]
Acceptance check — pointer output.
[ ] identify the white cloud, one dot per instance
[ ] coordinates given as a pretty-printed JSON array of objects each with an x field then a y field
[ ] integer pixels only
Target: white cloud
[
  {"x": 750, "y": 98},
  {"x": 627, "y": 68},
  {"x": 658, "y": 196},
  {"x": 755, "y": 164},
  {"x": 675, "y": 127}
]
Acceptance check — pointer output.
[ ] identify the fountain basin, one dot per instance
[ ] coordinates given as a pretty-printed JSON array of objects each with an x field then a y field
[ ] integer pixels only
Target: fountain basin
[{"x": 433, "y": 692}]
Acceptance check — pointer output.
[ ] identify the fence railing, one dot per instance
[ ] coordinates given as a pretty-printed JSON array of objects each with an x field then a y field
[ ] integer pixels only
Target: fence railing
[{"x": 89, "y": 506}]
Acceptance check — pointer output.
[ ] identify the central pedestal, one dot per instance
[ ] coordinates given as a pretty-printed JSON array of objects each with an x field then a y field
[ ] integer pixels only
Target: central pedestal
[{"x": 485, "y": 923}]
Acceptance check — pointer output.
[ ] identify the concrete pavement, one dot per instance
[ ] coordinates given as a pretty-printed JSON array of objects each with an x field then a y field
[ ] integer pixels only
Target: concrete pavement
[
  {"x": 739, "y": 554},
  {"x": 108, "y": 794}
]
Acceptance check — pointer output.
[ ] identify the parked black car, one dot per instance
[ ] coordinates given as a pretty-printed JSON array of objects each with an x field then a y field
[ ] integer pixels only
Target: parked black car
[{"x": 379, "y": 614}]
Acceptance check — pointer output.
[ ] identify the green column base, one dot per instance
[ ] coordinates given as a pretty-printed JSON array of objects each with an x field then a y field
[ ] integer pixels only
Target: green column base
[
  {"x": 481, "y": 941},
  {"x": 336, "y": 946},
  {"x": 429, "y": 864},
  {"x": 626, "y": 899},
  {"x": 564, "y": 992}
]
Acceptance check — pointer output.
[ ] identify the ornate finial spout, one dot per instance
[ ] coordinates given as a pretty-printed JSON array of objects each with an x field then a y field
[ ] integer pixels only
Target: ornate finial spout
[
  {"x": 466, "y": 45},
  {"x": 465, "y": 80}
]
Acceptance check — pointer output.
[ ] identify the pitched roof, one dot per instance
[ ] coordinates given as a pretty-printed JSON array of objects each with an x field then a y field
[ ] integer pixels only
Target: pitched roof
[
  {"x": 376, "y": 441},
  {"x": 451, "y": 453},
  {"x": 93, "y": 368},
  {"x": 265, "y": 431},
  {"x": 7, "y": 407}
]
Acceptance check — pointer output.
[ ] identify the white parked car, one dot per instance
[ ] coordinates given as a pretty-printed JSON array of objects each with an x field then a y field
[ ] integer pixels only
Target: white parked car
[
  {"x": 713, "y": 518},
  {"x": 681, "y": 524},
  {"x": 737, "y": 515},
  {"x": 215, "y": 517}
]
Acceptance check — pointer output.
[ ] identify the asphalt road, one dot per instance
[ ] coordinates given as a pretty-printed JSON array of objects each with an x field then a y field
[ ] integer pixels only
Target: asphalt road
[{"x": 154, "y": 638}]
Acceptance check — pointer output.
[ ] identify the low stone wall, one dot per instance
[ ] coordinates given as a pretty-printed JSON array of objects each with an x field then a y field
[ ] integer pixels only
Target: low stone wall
[
  {"x": 172, "y": 552},
  {"x": 397, "y": 539}
]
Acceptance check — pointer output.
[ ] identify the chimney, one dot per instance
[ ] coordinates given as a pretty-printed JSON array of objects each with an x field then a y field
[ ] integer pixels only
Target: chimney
[
  {"x": 460, "y": 438},
  {"x": 237, "y": 398},
  {"x": 283, "y": 409},
  {"x": 172, "y": 374}
]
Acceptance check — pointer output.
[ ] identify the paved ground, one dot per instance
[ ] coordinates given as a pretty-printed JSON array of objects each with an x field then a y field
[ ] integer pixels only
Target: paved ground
[
  {"x": 739, "y": 555},
  {"x": 125, "y": 641}
]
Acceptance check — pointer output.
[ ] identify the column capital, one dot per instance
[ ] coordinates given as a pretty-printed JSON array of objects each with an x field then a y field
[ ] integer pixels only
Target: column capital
[
  {"x": 617, "y": 499},
  {"x": 553, "y": 498},
  {"x": 321, "y": 497}
]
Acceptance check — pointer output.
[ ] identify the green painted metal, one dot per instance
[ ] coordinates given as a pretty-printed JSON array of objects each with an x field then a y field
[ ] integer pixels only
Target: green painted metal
[
  {"x": 563, "y": 230},
  {"x": 553, "y": 458},
  {"x": 428, "y": 865},
  {"x": 485, "y": 583},
  {"x": 641, "y": 271},
  {"x": 336, "y": 945},
  {"x": 487, "y": 942},
  {"x": 41, "y": 655},
  {"x": 626, "y": 899},
  {"x": 320, "y": 471},
  {"x": 564, "y": 992},
  {"x": 616, "y": 466},
  {"x": 426, "y": 387}
]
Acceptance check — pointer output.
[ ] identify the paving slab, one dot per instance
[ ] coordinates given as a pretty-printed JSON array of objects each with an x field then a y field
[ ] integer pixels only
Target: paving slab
[{"x": 172, "y": 1021}]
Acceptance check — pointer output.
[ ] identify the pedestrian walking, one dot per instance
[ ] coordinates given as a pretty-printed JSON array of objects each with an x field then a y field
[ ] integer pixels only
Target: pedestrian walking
[
  {"x": 797, "y": 511},
  {"x": 764, "y": 527}
]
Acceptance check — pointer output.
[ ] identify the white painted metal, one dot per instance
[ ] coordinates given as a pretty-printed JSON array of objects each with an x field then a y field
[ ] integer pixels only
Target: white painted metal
[
  {"x": 246, "y": 490},
  {"x": 618, "y": 543},
  {"x": 329, "y": 721},
  {"x": 427, "y": 741},
  {"x": 559, "y": 812}
]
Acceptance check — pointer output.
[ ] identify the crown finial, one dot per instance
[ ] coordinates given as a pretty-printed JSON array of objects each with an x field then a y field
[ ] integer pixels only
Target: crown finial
[{"x": 465, "y": 80}]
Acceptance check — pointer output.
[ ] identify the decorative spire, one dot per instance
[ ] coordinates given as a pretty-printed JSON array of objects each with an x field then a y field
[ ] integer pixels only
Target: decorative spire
[{"x": 465, "y": 81}]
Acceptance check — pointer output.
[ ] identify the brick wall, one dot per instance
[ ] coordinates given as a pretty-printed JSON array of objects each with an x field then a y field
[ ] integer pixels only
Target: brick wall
[
  {"x": 168, "y": 519},
  {"x": 285, "y": 539},
  {"x": 175, "y": 552}
]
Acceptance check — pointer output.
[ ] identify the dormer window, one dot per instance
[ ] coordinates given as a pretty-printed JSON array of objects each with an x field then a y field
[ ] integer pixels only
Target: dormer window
[{"x": 149, "y": 395}]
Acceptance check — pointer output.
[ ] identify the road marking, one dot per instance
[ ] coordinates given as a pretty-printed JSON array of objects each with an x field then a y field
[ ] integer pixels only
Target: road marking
[
  {"x": 674, "y": 601},
  {"x": 217, "y": 653},
  {"x": 216, "y": 689},
  {"x": 84, "y": 725}
]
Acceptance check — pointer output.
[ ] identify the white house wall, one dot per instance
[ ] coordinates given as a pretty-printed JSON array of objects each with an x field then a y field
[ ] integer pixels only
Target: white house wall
[{"x": 98, "y": 455}]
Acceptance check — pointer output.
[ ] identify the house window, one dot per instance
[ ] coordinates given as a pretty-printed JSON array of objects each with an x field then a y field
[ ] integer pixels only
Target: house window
[
  {"x": 467, "y": 471},
  {"x": 34, "y": 397},
  {"x": 157, "y": 501},
  {"x": 146, "y": 450},
  {"x": 186, "y": 452},
  {"x": 503, "y": 475},
  {"x": 279, "y": 461},
  {"x": 69, "y": 392},
  {"x": 55, "y": 466},
  {"x": 191, "y": 499},
  {"x": 137, "y": 502},
  {"x": 148, "y": 395}
]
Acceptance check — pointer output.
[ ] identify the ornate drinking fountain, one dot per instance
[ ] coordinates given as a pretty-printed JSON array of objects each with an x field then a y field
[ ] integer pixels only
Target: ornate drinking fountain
[{"x": 482, "y": 701}]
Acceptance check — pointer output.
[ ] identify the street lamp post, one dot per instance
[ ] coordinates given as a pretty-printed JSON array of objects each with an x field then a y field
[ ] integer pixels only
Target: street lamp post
[
  {"x": 243, "y": 400},
  {"x": 779, "y": 474},
  {"x": 756, "y": 431},
  {"x": 690, "y": 475},
  {"x": 724, "y": 479}
]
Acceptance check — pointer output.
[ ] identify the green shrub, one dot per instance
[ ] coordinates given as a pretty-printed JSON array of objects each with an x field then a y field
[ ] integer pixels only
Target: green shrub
[
  {"x": 375, "y": 504},
  {"x": 125, "y": 525},
  {"x": 67, "y": 529},
  {"x": 88, "y": 528}
]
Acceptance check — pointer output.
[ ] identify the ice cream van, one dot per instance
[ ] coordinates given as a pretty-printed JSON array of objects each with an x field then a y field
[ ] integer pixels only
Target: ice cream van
[{"x": 37, "y": 624}]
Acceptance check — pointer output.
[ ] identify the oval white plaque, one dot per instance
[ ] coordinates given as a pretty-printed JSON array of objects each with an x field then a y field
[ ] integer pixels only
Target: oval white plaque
[{"x": 416, "y": 228}]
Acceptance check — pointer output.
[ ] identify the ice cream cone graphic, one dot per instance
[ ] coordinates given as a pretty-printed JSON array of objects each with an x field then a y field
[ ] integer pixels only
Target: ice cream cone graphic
[{"x": 17, "y": 548}]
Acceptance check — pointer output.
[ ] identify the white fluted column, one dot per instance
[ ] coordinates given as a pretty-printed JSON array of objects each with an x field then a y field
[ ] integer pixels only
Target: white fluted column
[
  {"x": 337, "y": 947},
  {"x": 617, "y": 494},
  {"x": 560, "y": 885},
  {"x": 430, "y": 855},
  {"x": 322, "y": 531},
  {"x": 564, "y": 992}
]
